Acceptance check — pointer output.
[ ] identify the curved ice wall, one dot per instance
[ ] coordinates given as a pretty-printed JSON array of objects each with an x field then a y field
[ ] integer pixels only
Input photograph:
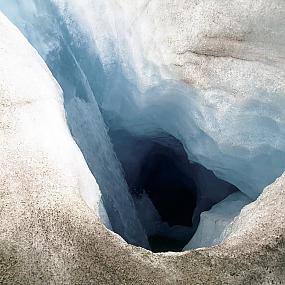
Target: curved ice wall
[
  {"x": 68, "y": 54},
  {"x": 97, "y": 51}
]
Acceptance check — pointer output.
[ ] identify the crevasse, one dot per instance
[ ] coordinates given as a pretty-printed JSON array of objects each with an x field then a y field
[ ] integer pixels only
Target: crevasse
[{"x": 123, "y": 108}]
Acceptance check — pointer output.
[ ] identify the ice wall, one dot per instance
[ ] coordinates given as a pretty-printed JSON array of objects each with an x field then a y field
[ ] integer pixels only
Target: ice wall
[
  {"x": 40, "y": 162},
  {"x": 68, "y": 56},
  {"x": 212, "y": 229},
  {"x": 230, "y": 118}
]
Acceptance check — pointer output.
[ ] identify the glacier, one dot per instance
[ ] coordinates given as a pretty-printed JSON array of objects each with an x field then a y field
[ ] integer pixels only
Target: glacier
[{"x": 125, "y": 73}]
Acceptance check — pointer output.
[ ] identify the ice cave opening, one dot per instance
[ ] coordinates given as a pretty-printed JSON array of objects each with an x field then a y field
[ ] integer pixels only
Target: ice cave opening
[{"x": 170, "y": 191}]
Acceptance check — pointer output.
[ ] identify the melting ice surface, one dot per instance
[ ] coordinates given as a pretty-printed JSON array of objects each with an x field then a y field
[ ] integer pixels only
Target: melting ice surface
[{"x": 123, "y": 113}]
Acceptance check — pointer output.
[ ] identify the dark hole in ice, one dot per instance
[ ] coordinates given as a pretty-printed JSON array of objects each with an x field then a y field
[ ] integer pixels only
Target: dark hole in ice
[
  {"x": 162, "y": 243},
  {"x": 169, "y": 190},
  {"x": 172, "y": 193}
]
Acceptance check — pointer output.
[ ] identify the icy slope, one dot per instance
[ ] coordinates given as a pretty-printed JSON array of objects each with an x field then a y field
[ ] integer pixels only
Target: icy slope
[
  {"x": 34, "y": 136},
  {"x": 228, "y": 115},
  {"x": 69, "y": 59},
  {"x": 123, "y": 217},
  {"x": 231, "y": 119}
]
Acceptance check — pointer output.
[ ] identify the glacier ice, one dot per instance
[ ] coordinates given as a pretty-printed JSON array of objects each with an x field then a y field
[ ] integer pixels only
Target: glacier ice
[
  {"x": 128, "y": 67},
  {"x": 52, "y": 40},
  {"x": 213, "y": 226},
  {"x": 37, "y": 149},
  {"x": 147, "y": 94}
]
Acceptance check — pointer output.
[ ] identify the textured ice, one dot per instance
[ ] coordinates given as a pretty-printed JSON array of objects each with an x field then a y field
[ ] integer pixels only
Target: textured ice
[
  {"x": 149, "y": 73},
  {"x": 34, "y": 132},
  {"x": 212, "y": 229},
  {"x": 233, "y": 125},
  {"x": 66, "y": 57}
]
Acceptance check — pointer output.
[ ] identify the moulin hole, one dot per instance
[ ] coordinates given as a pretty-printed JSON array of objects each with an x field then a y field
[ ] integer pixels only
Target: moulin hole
[{"x": 169, "y": 191}]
